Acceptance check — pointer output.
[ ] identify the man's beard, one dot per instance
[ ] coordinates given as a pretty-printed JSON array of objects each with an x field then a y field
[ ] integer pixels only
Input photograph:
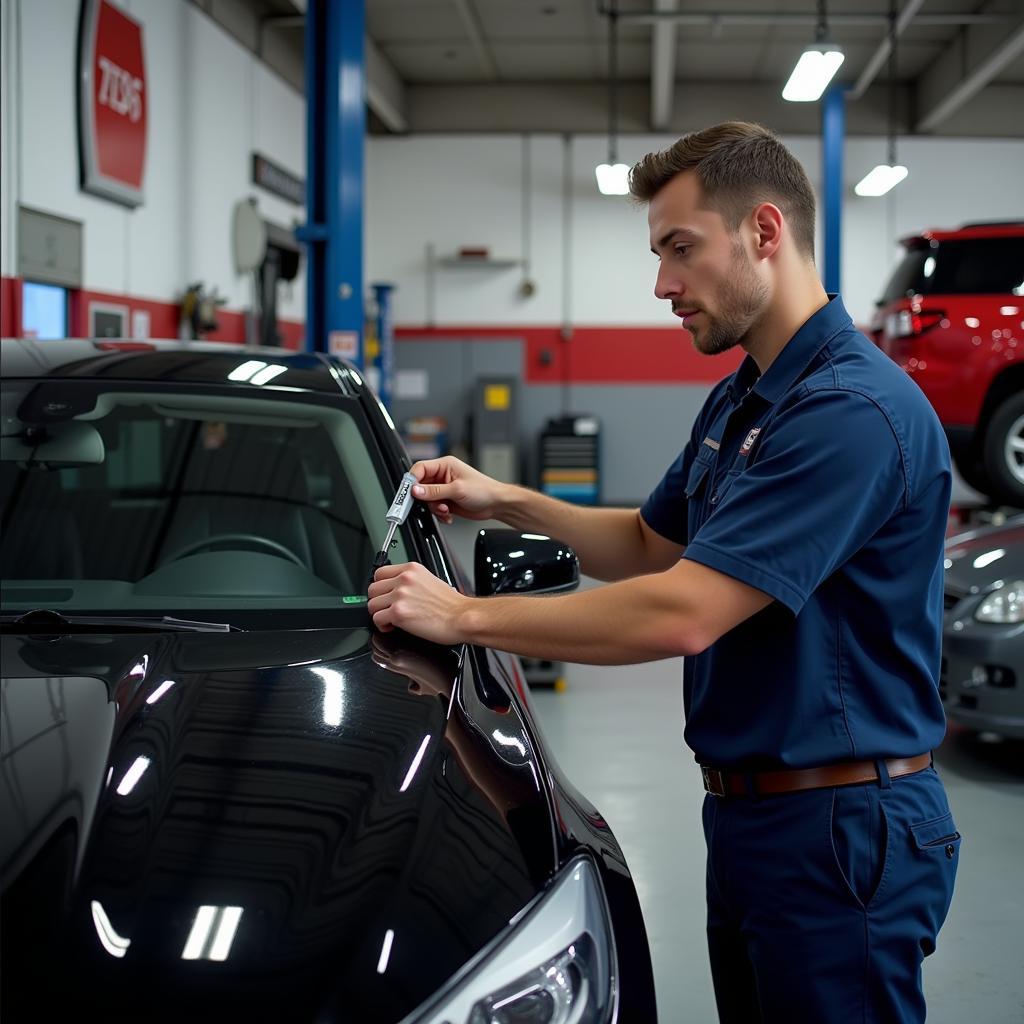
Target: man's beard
[{"x": 740, "y": 301}]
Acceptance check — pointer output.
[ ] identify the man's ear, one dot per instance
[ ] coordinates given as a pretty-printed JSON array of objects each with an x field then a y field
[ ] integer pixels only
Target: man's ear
[{"x": 768, "y": 226}]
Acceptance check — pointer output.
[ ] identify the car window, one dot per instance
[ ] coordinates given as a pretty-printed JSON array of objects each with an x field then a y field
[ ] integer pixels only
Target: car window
[
  {"x": 908, "y": 277},
  {"x": 168, "y": 502},
  {"x": 969, "y": 266},
  {"x": 978, "y": 266}
]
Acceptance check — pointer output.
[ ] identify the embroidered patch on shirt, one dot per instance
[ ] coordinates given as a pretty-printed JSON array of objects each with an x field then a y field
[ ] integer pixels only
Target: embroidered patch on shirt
[
  {"x": 711, "y": 443},
  {"x": 749, "y": 442}
]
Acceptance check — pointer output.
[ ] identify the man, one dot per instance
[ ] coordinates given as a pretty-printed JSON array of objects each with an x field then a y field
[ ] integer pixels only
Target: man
[{"x": 793, "y": 555}]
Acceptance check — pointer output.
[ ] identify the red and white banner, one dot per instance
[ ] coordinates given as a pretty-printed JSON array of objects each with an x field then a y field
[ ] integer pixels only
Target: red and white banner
[{"x": 112, "y": 103}]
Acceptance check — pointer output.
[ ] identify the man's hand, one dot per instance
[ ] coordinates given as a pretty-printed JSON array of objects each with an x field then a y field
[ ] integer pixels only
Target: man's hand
[
  {"x": 451, "y": 488},
  {"x": 412, "y": 598}
]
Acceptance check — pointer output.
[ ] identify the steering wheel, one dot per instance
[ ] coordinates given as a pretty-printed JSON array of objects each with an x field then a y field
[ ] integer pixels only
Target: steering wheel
[{"x": 249, "y": 538}]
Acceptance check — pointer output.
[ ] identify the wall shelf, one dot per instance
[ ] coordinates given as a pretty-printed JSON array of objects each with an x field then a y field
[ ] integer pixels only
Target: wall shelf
[{"x": 470, "y": 261}]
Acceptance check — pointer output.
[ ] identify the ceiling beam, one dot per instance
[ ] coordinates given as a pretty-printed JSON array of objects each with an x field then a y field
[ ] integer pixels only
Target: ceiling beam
[
  {"x": 878, "y": 58},
  {"x": 385, "y": 90},
  {"x": 966, "y": 66},
  {"x": 663, "y": 68},
  {"x": 476, "y": 37}
]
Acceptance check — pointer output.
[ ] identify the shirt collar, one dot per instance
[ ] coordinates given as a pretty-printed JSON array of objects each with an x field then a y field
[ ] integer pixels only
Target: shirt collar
[{"x": 795, "y": 356}]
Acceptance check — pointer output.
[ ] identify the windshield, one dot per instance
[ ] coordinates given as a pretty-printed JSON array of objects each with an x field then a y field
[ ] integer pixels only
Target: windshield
[{"x": 189, "y": 503}]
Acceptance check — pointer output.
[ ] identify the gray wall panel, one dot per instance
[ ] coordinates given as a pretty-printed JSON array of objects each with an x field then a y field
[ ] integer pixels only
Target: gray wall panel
[{"x": 643, "y": 427}]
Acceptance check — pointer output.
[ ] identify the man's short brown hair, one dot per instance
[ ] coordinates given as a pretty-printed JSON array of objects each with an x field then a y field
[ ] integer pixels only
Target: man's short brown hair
[{"x": 738, "y": 165}]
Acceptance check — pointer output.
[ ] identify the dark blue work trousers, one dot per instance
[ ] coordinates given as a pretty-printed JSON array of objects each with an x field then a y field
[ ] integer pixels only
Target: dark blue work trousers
[{"x": 823, "y": 904}]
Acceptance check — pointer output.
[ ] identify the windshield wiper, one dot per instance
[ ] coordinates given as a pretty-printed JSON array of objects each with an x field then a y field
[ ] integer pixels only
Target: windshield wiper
[{"x": 44, "y": 620}]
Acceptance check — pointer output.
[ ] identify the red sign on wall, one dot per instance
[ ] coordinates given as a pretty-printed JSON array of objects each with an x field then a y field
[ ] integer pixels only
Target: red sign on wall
[{"x": 112, "y": 103}]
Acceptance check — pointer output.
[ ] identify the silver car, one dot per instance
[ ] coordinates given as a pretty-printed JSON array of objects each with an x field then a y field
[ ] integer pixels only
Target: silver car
[{"x": 982, "y": 681}]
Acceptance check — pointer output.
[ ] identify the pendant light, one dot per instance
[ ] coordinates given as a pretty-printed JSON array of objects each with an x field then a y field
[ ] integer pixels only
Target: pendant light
[
  {"x": 613, "y": 177},
  {"x": 816, "y": 66},
  {"x": 880, "y": 179}
]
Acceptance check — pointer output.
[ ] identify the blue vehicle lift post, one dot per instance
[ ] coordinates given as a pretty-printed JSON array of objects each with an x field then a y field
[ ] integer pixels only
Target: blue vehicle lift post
[
  {"x": 833, "y": 131},
  {"x": 335, "y": 130}
]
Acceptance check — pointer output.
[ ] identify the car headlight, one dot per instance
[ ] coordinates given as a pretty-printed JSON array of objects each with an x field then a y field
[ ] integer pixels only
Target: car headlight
[
  {"x": 556, "y": 965},
  {"x": 1004, "y": 605}
]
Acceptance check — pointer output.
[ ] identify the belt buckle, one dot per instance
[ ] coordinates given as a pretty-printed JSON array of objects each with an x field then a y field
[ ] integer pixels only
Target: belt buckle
[{"x": 714, "y": 783}]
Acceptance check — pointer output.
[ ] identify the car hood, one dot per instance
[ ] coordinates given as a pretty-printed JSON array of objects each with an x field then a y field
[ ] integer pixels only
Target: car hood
[
  {"x": 976, "y": 560},
  {"x": 256, "y": 825}
]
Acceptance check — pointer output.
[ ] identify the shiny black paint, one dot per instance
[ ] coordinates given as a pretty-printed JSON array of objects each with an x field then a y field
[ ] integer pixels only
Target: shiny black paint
[
  {"x": 510, "y": 562},
  {"x": 252, "y": 800}
]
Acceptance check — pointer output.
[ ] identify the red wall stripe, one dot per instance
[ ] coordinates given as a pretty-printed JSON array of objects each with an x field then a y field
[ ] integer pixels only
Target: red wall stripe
[
  {"x": 163, "y": 316},
  {"x": 10, "y": 307},
  {"x": 599, "y": 355}
]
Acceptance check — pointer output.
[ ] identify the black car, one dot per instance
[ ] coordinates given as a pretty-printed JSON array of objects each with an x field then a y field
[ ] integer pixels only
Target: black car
[
  {"x": 225, "y": 796},
  {"x": 982, "y": 681}
]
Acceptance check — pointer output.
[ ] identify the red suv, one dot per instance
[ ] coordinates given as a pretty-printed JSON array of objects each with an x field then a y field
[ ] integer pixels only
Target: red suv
[{"x": 952, "y": 315}]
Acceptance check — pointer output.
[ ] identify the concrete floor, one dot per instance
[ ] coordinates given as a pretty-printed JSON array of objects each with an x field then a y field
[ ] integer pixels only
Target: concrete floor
[{"x": 617, "y": 732}]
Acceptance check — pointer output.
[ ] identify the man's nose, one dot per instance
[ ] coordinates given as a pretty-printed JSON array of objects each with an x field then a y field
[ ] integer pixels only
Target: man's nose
[{"x": 666, "y": 286}]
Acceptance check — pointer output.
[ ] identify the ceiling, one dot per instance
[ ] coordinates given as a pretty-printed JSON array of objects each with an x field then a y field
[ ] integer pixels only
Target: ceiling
[{"x": 542, "y": 65}]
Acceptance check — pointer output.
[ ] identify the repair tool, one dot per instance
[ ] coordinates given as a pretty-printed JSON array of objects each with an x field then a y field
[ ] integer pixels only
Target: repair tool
[{"x": 396, "y": 515}]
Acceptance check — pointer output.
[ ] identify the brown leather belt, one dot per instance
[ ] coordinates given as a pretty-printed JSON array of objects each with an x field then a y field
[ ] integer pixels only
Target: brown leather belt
[{"x": 847, "y": 773}]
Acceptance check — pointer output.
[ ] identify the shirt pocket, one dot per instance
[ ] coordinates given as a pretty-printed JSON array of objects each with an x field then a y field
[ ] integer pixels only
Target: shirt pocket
[
  {"x": 724, "y": 486},
  {"x": 695, "y": 487}
]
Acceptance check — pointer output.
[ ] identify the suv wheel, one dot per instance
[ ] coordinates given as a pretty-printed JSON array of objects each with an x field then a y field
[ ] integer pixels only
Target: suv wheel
[{"x": 1004, "y": 451}]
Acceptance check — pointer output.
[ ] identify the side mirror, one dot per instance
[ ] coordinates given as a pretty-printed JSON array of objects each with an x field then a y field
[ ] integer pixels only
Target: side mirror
[{"x": 510, "y": 562}]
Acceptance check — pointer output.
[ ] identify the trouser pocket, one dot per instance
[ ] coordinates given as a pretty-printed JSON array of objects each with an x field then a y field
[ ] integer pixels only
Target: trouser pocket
[{"x": 859, "y": 834}]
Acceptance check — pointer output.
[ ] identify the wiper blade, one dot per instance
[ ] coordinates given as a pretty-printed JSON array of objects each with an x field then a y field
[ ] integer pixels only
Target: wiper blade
[{"x": 44, "y": 620}]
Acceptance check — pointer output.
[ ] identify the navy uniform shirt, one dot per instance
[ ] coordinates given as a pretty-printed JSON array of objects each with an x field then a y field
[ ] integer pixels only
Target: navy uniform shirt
[{"x": 825, "y": 483}]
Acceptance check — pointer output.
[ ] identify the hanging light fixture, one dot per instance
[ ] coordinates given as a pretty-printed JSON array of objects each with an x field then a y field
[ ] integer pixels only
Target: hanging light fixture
[
  {"x": 816, "y": 66},
  {"x": 880, "y": 179},
  {"x": 613, "y": 177}
]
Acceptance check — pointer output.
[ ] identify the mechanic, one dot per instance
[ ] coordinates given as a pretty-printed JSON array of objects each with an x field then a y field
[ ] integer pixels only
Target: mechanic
[{"x": 792, "y": 554}]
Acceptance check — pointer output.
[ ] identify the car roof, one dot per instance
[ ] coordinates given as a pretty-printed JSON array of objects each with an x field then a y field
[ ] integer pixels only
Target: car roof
[
  {"x": 993, "y": 229},
  {"x": 178, "y": 362}
]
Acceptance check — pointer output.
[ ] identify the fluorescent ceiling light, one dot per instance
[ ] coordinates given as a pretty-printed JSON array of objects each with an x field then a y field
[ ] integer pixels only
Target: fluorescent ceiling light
[
  {"x": 132, "y": 776},
  {"x": 246, "y": 370},
  {"x": 225, "y": 934},
  {"x": 268, "y": 373},
  {"x": 385, "y": 951},
  {"x": 415, "y": 764},
  {"x": 878, "y": 181},
  {"x": 159, "y": 691},
  {"x": 213, "y": 931},
  {"x": 613, "y": 179},
  {"x": 813, "y": 72},
  {"x": 114, "y": 944},
  {"x": 334, "y": 695}
]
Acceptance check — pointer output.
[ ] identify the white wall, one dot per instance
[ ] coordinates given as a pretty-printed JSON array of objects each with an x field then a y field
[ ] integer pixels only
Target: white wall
[
  {"x": 466, "y": 190},
  {"x": 8, "y": 136},
  {"x": 211, "y": 103}
]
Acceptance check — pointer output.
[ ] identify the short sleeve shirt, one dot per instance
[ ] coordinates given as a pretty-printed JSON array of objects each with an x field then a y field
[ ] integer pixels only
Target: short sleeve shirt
[{"x": 824, "y": 483}]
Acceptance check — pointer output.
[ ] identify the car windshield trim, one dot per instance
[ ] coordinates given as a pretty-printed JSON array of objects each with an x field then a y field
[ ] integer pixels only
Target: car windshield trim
[{"x": 44, "y": 620}]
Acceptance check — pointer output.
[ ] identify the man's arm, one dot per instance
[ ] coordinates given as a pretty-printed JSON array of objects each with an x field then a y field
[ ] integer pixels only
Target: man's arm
[
  {"x": 678, "y": 612},
  {"x": 612, "y": 543}
]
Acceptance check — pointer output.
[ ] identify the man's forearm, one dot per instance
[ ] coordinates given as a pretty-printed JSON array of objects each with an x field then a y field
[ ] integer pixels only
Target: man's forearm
[
  {"x": 637, "y": 620},
  {"x": 608, "y": 541}
]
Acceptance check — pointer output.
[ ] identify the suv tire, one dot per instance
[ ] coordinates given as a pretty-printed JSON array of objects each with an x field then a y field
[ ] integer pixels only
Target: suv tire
[{"x": 1004, "y": 451}]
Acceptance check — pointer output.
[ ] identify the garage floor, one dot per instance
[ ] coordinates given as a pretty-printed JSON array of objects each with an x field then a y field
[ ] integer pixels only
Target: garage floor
[{"x": 617, "y": 732}]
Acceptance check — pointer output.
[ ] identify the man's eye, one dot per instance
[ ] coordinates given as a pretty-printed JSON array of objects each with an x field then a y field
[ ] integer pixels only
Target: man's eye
[{"x": 682, "y": 250}]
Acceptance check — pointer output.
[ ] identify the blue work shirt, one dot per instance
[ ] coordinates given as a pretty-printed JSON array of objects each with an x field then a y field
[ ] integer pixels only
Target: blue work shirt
[{"x": 824, "y": 483}]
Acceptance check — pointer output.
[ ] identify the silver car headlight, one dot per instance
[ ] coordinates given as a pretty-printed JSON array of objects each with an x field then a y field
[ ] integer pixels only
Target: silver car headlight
[
  {"x": 1005, "y": 605},
  {"x": 556, "y": 965}
]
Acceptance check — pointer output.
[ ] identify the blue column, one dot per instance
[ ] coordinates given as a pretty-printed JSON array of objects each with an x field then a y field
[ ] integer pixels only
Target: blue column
[
  {"x": 335, "y": 128},
  {"x": 386, "y": 342},
  {"x": 833, "y": 133}
]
